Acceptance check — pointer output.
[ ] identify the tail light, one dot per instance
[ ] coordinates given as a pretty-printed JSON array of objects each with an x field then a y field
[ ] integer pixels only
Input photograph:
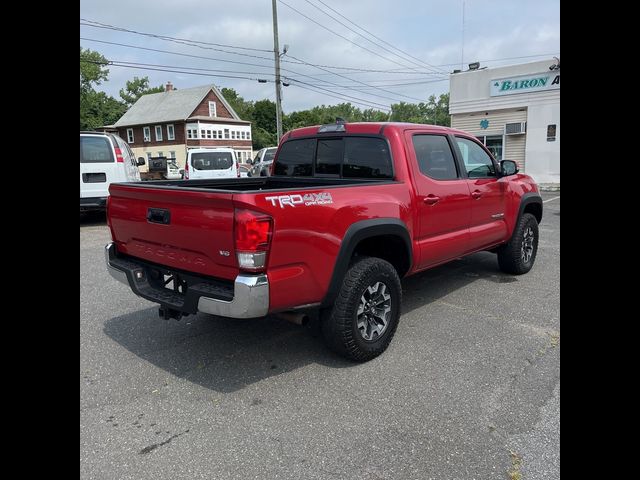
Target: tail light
[
  {"x": 186, "y": 169},
  {"x": 253, "y": 232},
  {"x": 119, "y": 157}
]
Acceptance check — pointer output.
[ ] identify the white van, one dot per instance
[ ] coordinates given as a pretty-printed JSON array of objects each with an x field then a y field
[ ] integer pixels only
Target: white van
[
  {"x": 104, "y": 158},
  {"x": 211, "y": 163}
]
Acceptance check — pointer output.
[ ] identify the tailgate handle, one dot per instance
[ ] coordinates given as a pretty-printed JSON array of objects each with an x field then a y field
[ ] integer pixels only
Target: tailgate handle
[{"x": 159, "y": 215}]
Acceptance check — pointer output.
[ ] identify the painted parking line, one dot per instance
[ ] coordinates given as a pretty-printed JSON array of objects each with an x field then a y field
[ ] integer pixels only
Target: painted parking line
[{"x": 551, "y": 199}]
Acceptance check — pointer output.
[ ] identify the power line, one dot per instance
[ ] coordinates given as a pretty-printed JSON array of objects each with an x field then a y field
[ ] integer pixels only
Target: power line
[
  {"x": 340, "y": 96},
  {"x": 342, "y": 36},
  {"x": 421, "y": 63},
  {"x": 252, "y": 64},
  {"x": 363, "y": 83},
  {"x": 164, "y": 37},
  {"x": 160, "y": 68}
]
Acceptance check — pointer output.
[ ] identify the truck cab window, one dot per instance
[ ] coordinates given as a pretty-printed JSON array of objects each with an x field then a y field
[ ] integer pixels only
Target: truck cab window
[
  {"x": 477, "y": 162},
  {"x": 296, "y": 158}
]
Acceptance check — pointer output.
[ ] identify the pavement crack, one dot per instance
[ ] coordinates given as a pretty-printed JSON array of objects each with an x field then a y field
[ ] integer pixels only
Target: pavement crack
[{"x": 152, "y": 447}]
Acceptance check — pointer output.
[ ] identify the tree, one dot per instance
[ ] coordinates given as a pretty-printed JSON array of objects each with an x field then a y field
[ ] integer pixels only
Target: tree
[
  {"x": 264, "y": 115},
  {"x": 136, "y": 88},
  {"x": 243, "y": 108},
  {"x": 92, "y": 69}
]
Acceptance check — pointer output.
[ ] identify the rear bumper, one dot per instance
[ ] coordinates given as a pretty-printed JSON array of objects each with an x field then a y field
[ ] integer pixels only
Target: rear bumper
[
  {"x": 93, "y": 203},
  {"x": 248, "y": 298}
]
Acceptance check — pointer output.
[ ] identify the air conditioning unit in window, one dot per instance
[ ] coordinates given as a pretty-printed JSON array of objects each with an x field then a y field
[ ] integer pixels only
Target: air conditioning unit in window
[{"x": 517, "y": 128}]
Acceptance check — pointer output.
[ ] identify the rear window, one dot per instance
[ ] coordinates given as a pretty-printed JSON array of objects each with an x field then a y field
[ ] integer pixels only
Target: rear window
[
  {"x": 95, "y": 150},
  {"x": 346, "y": 157},
  {"x": 296, "y": 158},
  {"x": 211, "y": 161}
]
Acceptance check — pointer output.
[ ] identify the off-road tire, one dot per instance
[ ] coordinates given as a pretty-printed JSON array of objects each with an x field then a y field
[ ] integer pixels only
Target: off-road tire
[
  {"x": 339, "y": 324},
  {"x": 510, "y": 256}
]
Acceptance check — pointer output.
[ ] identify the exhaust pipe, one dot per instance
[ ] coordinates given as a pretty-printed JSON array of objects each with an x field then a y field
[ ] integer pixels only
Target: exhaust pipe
[{"x": 293, "y": 317}]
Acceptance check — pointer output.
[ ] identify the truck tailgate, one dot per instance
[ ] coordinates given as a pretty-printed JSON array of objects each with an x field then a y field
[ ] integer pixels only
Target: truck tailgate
[{"x": 185, "y": 230}]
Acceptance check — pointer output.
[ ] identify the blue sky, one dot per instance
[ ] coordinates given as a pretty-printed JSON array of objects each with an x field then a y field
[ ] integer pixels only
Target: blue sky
[{"x": 428, "y": 33}]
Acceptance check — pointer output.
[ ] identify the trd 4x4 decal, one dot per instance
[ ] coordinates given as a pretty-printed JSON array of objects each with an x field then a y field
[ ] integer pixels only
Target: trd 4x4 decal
[{"x": 308, "y": 199}]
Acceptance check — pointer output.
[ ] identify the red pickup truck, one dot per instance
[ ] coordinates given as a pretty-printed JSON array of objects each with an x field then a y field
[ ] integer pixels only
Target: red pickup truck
[{"x": 350, "y": 209}]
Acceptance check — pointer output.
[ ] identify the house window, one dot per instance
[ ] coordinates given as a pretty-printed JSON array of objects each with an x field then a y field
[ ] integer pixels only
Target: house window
[
  {"x": 148, "y": 155},
  {"x": 146, "y": 134},
  {"x": 158, "y": 133},
  {"x": 172, "y": 154},
  {"x": 188, "y": 133},
  {"x": 220, "y": 134},
  {"x": 171, "y": 133},
  {"x": 242, "y": 135},
  {"x": 233, "y": 134},
  {"x": 202, "y": 134},
  {"x": 226, "y": 133},
  {"x": 208, "y": 133},
  {"x": 249, "y": 135},
  {"x": 130, "y": 135},
  {"x": 551, "y": 133},
  {"x": 212, "y": 109}
]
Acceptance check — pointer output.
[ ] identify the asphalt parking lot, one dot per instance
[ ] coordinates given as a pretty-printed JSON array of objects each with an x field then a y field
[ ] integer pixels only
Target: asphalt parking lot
[{"x": 468, "y": 389}]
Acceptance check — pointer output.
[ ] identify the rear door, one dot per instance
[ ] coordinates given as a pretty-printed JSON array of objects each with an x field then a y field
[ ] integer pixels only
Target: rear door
[
  {"x": 98, "y": 167},
  {"x": 212, "y": 164},
  {"x": 443, "y": 199},
  {"x": 488, "y": 225}
]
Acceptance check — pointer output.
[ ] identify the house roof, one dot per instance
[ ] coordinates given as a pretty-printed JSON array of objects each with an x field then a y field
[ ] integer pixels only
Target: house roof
[{"x": 175, "y": 105}]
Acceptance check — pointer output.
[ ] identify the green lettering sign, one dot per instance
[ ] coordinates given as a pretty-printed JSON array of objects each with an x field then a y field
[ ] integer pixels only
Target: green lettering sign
[{"x": 505, "y": 85}]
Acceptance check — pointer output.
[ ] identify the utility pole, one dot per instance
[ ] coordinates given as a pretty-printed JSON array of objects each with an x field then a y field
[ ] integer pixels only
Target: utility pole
[
  {"x": 462, "y": 53},
  {"x": 276, "y": 56}
]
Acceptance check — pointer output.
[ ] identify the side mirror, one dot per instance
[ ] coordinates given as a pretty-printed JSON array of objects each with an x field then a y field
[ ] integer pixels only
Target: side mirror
[
  {"x": 140, "y": 161},
  {"x": 508, "y": 167},
  {"x": 181, "y": 172}
]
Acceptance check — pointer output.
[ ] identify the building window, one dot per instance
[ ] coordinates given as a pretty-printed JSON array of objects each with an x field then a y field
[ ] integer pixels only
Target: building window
[
  {"x": 226, "y": 133},
  {"x": 146, "y": 134},
  {"x": 249, "y": 135},
  {"x": 233, "y": 134},
  {"x": 172, "y": 154},
  {"x": 202, "y": 134},
  {"x": 188, "y": 133},
  {"x": 148, "y": 155},
  {"x": 212, "y": 109},
  {"x": 171, "y": 133},
  {"x": 494, "y": 145},
  {"x": 208, "y": 133},
  {"x": 158, "y": 133},
  {"x": 551, "y": 133},
  {"x": 220, "y": 134},
  {"x": 130, "y": 135},
  {"x": 243, "y": 135}
]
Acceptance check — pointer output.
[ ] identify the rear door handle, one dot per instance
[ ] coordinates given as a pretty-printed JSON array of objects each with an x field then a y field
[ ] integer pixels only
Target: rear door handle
[
  {"x": 476, "y": 194},
  {"x": 431, "y": 199}
]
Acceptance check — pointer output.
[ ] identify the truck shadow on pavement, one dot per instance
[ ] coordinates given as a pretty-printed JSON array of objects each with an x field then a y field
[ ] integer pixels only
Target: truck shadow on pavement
[
  {"x": 93, "y": 219},
  {"x": 227, "y": 355}
]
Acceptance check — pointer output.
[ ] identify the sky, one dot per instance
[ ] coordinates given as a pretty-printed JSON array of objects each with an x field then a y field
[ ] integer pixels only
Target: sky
[{"x": 412, "y": 45}]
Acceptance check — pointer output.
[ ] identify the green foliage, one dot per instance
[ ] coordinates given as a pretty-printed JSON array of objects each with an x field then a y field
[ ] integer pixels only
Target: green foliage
[
  {"x": 136, "y": 88},
  {"x": 98, "y": 109},
  {"x": 92, "y": 69}
]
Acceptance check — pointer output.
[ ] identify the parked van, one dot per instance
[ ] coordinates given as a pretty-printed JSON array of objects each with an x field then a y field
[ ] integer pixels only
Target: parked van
[
  {"x": 104, "y": 158},
  {"x": 211, "y": 163}
]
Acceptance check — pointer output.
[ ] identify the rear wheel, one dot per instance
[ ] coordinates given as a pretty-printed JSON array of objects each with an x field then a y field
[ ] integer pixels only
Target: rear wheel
[
  {"x": 365, "y": 315},
  {"x": 519, "y": 254}
]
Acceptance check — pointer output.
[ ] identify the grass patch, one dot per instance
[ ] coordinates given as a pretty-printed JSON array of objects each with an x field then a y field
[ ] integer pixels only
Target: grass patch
[{"x": 516, "y": 463}]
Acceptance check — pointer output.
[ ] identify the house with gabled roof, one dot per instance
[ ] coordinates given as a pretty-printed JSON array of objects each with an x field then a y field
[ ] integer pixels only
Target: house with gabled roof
[{"x": 169, "y": 123}]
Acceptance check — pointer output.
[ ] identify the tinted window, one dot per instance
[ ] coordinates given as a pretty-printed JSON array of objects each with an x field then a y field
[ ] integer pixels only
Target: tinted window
[
  {"x": 366, "y": 157},
  {"x": 269, "y": 154},
  {"x": 329, "y": 157},
  {"x": 296, "y": 157},
  {"x": 211, "y": 161},
  {"x": 477, "y": 162},
  {"x": 95, "y": 150},
  {"x": 434, "y": 156}
]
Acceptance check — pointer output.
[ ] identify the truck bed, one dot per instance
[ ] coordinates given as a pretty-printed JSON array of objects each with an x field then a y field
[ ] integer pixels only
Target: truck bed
[{"x": 254, "y": 185}]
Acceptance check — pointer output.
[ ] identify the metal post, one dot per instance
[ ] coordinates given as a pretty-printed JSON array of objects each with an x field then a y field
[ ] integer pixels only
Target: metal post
[{"x": 276, "y": 56}]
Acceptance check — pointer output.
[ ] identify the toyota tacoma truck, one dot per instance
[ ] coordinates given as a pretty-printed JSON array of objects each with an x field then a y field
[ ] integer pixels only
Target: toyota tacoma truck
[{"x": 350, "y": 209}]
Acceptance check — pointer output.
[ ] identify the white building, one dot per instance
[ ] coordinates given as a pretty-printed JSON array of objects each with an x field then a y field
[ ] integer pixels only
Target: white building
[{"x": 515, "y": 112}]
